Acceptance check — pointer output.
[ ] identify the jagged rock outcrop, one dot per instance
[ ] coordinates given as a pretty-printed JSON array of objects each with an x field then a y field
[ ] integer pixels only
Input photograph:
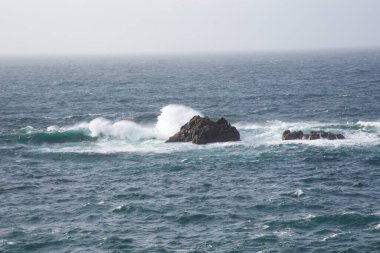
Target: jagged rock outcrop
[
  {"x": 202, "y": 130},
  {"x": 314, "y": 135}
]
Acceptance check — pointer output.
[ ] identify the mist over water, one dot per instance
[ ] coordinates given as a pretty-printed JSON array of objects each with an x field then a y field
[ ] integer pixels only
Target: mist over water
[{"x": 85, "y": 167}]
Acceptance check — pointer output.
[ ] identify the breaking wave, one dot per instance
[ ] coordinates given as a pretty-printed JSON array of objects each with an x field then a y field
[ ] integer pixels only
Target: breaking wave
[
  {"x": 170, "y": 120},
  {"x": 106, "y": 136}
]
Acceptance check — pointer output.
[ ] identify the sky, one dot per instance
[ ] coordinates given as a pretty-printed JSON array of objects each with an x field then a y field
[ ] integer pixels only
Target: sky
[{"x": 109, "y": 27}]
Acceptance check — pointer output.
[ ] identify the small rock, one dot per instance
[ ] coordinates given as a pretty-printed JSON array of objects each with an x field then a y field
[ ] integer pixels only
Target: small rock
[
  {"x": 314, "y": 135},
  {"x": 296, "y": 135}
]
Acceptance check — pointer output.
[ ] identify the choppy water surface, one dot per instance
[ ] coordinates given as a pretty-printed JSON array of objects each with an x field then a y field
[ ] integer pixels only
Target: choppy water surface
[{"x": 85, "y": 167}]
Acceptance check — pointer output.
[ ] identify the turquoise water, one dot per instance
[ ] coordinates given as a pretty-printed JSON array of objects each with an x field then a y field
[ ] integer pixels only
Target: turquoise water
[{"x": 85, "y": 167}]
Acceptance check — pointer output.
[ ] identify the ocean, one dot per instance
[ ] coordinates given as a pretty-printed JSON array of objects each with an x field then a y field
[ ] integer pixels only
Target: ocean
[{"x": 85, "y": 167}]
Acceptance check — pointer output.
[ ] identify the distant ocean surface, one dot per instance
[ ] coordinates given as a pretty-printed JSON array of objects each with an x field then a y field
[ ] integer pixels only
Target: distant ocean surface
[{"x": 85, "y": 167}]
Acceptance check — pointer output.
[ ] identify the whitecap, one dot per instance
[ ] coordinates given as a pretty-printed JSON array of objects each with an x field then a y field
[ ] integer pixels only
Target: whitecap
[
  {"x": 332, "y": 236},
  {"x": 27, "y": 129},
  {"x": 310, "y": 216},
  {"x": 172, "y": 117},
  {"x": 298, "y": 193},
  {"x": 129, "y": 136},
  {"x": 369, "y": 123},
  {"x": 119, "y": 207},
  {"x": 52, "y": 128},
  {"x": 169, "y": 122},
  {"x": 284, "y": 233},
  {"x": 6, "y": 242}
]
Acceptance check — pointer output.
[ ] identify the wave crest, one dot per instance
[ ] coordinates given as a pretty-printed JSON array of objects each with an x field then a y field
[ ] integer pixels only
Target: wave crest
[
  {"x": 49, "y": 137},
  {"x": 129, "y": 136},
  {"x": 172, "y": 117},
  {"x": 169, "y": 122}
]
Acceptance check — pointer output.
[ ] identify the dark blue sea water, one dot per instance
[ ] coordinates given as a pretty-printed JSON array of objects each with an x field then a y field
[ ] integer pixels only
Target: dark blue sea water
[{"x": 85, "y": 167}]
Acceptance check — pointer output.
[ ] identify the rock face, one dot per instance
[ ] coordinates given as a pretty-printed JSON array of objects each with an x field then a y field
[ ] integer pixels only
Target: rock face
[
  {"x": 203, "y": 130},
  {"x": 314, "y": 135}
]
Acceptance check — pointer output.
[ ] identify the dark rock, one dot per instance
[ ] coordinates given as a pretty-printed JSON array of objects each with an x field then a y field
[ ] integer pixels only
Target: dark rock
[
  {"x": 340, "y": 136},
  {"x": 285, "y": 133},
  {"x": 222, "y": 121},
  {"x": 314, "y": 135},
  {"x": 324, "y": 134},
  {"x": 203, "y": 130},
  {"x": 296, "y": 135}
]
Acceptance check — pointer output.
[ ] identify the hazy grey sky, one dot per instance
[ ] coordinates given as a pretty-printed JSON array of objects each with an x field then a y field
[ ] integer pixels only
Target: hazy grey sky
[{"x": 165, "y": 26}]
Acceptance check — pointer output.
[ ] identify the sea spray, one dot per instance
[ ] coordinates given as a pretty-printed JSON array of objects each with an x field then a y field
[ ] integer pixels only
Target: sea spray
[
  {"x": 172, "y": 117},
  {"x": 170, "y": 120},
  {"x": 123, "y": 129}
]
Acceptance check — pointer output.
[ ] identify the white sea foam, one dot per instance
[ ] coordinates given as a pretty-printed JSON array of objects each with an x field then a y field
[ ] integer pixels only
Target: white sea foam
[
  {"x": 169, "y": 122},
  {"x": 369, "y": 124},
  {"x": 298, "y": 193},
  {"x": 122, "y": 146},
  {"x": 123, "y": 129},
  {"x": 172, "y": 117},
  {"x": 119, "y": 207},
  {"x": 310, "y": 216},
  {"x": 129, "y": 136},
  {"x": 284, "y": 233},
  {"x": 81, "y": 125},
  {"x": 6, "y": 242},
  {"x": 27, "y": 129},
  {"x": 332, "y": 236},
  {"x": 270, "y": 133}
]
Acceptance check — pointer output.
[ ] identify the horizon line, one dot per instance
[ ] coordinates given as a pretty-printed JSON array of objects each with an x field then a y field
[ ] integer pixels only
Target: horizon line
[{"x": 190, "y": 53}]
